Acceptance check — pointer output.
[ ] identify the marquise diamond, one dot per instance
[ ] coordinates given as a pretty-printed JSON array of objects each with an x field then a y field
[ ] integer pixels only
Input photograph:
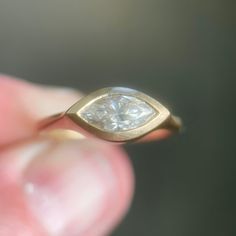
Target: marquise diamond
[{"x": 116, "y": 113}]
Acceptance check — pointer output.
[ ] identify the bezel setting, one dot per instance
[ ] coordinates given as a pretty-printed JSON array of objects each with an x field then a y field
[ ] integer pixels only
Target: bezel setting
[{"x": 161, "y": 114}]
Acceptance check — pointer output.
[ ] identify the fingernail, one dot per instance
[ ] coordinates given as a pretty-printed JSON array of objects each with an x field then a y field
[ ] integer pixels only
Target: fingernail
[{"x": 70, "y": 184}]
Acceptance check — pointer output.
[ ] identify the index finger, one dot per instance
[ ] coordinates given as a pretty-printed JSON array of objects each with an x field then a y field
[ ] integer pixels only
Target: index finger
[{"x": 22, "y": 104}]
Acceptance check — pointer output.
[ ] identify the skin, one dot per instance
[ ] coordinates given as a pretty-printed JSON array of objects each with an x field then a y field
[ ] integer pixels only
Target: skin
[{"x": 56, "y": 187}]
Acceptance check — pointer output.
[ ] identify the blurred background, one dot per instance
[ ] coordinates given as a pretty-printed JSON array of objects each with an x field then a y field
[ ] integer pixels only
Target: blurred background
[{"x": 181, "y": 52}]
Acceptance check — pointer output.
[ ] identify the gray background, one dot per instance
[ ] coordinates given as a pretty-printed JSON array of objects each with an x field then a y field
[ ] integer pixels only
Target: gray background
[{"x": 183, "y": 53}]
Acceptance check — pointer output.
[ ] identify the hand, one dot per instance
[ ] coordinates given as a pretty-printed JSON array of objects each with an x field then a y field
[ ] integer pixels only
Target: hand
[{"x": 51, "y": 187}]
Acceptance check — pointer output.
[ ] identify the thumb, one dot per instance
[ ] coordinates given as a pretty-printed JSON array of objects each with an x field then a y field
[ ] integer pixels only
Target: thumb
[{"x": 63, "y": 188}]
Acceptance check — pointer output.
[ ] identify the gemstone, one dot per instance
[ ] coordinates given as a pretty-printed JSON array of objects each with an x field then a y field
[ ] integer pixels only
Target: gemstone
[{"x": 116, "y": 113}]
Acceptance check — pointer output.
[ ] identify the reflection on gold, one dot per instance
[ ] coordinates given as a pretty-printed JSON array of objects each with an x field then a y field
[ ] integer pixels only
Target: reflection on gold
[{"x": 62, "y": 134}]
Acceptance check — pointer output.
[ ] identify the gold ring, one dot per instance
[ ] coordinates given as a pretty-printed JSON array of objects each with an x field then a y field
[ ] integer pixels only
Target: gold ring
[{"x": 113, "y": 114}]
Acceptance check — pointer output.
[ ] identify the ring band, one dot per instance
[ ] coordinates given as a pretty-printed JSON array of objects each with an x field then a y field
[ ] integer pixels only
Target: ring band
[{"x": 113, "y": 114}]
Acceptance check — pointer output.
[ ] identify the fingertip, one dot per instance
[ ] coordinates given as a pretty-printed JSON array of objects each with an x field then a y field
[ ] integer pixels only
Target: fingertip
[
  {"x": 92, "y": 182},
  {"x": 23, "y": 104},
  {"x": 71, "y": 187}
]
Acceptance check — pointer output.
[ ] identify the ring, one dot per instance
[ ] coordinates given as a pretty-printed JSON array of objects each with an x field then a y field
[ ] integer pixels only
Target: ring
[{"x": 113, "y": 114}]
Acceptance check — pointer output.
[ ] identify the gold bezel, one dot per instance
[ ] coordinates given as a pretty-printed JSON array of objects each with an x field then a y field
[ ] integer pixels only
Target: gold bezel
[{"x": 74, "y": 114}]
